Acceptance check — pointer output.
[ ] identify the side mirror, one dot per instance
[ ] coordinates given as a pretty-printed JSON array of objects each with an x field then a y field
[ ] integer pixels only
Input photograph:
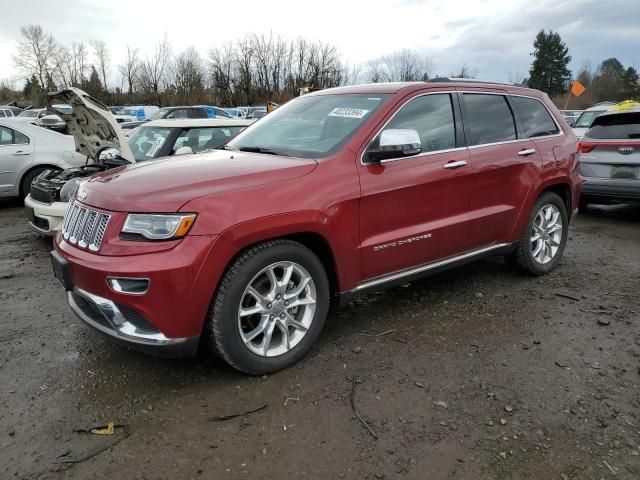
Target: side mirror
[
  {"x": 184, "y": 150},
  {"x": 572, "y": 123},
  {"x": 394, "y": 143}
]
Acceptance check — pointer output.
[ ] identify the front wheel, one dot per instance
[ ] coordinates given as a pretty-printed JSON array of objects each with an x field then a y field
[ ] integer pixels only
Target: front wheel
[
  {"x": 270, "y": 307},
  {"x": 542, "y": 244}
]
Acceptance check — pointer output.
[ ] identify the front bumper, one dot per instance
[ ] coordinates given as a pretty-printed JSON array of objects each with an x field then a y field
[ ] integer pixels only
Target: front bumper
[
  {"x": 166, "y": 317},
  {"x": 126, "y": 327},
  {"x": 45, "y": 219}
]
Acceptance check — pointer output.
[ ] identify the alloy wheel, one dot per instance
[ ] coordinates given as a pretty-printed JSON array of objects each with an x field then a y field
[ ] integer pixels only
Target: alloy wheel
[
  {"x": 546, "y": 234},
  {"x": 276, "y": 309}
]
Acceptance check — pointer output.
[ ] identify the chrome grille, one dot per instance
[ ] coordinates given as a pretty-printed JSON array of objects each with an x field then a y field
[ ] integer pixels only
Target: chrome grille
[{"x": 84, "y": 226}]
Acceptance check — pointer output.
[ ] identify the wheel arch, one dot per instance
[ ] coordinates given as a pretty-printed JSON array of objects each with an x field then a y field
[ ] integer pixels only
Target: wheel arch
[{"x": 39, "y": 166}]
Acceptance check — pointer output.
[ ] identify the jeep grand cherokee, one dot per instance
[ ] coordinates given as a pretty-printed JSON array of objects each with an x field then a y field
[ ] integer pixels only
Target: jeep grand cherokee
[{"x": 336, "y": 193}]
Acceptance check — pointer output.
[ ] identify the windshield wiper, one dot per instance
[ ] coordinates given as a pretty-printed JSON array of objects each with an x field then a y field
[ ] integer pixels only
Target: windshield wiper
[{"x": 264, "y": 150}]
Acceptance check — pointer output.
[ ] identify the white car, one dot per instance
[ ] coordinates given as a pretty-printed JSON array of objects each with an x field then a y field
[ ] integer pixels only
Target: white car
[
  {"x": 586, "y": 118},
  {"x": 104, "y": 143},
  {"x": 45, "y": 117},
  {"x": 27, "y": 150}
]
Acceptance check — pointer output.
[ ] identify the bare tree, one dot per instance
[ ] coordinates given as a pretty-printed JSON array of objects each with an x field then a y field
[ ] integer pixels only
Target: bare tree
[
  {"x": 465, "y": 72},
  {"x": 188, "y": 75},
  {"x": 224, "y": 72},
  {"x": 400, "y": 66},
  {"x": 153, "y": 69},
  {"x": 102, "y": 59},
  {"x": 36, "y": 54},
  {"x": 129, "y": 69}
]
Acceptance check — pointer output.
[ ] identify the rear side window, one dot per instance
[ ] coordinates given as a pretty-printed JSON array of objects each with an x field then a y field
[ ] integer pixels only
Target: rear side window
[
  {"x": 488, "y": 119},
  {"x": 533, "y": 117},
  {"x": 432, "y": 117},
  {"x": 9, "y": 136},
  {"x": 621, "y": 126}
]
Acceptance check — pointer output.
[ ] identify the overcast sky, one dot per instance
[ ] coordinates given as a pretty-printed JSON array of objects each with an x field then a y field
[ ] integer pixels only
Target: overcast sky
[{"x": 494, "y": 37}]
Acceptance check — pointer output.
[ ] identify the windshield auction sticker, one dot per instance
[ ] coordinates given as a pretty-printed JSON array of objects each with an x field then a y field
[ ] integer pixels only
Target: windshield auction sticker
[
  {"x": 348, "y": 112},
  {"x": 154, "y": 148}
]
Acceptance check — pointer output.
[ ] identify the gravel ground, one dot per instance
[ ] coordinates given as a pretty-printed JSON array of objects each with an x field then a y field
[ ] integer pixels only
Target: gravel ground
[{"x": 477, "y": 373}]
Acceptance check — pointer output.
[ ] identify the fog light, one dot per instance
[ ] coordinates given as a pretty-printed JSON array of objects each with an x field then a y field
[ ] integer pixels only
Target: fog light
[{"x": 132, "y": 286}]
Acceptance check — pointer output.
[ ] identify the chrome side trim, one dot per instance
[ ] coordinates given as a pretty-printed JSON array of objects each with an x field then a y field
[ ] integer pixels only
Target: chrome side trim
[{"x": 424, "y": 268}]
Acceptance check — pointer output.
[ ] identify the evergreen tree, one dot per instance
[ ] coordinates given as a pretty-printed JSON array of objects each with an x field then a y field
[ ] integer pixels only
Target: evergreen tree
[
  {"x": 549, "y": 71},
  {"x": 93, "y": 86},
  {"x": 631, "y": 84}
]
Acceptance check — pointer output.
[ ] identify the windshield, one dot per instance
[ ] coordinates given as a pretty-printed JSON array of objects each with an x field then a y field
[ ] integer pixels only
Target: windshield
[
  {"x": 29, "y": 113},
  {"x": 309, "y": 127},
  {"x": 147, "y": 142},
  {"x": 586, "y": 119}
]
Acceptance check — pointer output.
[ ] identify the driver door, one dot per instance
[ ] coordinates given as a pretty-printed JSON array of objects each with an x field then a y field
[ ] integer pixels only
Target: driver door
[{"x": 413, "y": 208}]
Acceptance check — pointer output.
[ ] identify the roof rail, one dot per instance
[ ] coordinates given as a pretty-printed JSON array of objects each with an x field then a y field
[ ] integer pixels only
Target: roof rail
[{"x": 471, "y": 80}]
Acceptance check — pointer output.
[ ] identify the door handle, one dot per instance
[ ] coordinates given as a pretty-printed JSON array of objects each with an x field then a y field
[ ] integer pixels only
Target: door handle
[
  {"x": 20, "y": 152},
  {"x": 455, "y": 164},
  {"x": 527, "y": 152}
]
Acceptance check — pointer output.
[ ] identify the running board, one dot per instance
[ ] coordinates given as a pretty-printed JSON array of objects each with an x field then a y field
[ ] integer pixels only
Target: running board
[{"x": 428, "y": 268}]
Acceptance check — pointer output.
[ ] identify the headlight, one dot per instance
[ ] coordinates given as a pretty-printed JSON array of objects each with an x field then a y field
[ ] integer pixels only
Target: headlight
[
  {"x": 159, "y": 226},
  {"x": 68, "y": 189}
]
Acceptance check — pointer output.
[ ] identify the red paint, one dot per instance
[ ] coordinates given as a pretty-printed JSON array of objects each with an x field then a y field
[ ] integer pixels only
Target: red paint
[{"x": 429, "y": 212}]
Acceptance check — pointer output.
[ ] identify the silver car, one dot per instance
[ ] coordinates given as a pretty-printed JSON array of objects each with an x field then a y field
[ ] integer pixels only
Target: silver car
[
  {"x": 27, "y": 150},
  {"x": 610, "y": 158}
]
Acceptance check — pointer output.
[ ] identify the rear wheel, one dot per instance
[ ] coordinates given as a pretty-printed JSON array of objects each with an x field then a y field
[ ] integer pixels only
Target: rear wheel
[
  {"x": 542, "y": 244},
  {"x": 270, "y": 307}
]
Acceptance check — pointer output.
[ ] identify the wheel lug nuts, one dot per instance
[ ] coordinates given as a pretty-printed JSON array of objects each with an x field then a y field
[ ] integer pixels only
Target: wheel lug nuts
[
  {"x": 268, "y": 305},
  {"x": 286, "y": 304},
  {"x": 282, "y": 315}
]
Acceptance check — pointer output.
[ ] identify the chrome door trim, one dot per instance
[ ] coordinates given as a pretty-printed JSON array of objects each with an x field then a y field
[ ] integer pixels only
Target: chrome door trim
[{"x": 424, "y": 268}]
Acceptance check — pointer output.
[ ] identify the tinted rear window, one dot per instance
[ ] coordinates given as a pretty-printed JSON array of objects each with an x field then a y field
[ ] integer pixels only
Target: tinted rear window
[
  {"x": 622, "y": 126},
  {"x": 488, "y": 119},
  {"x": 533, "y": 117}
]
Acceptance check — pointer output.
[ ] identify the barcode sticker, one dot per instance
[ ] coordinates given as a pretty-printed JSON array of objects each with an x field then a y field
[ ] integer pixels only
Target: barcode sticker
[{"x": 348, "y": 112}]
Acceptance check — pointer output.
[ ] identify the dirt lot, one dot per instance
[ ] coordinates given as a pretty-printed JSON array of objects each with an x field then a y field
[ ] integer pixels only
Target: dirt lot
[{"x": 477, "y": 373}]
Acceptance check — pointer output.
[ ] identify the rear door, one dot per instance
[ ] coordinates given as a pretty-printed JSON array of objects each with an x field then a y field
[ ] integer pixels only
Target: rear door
[
  {"x": 504, "y": 165},
  {"x": 15, "y": 152},
  {"x": 413, "y": 209}
]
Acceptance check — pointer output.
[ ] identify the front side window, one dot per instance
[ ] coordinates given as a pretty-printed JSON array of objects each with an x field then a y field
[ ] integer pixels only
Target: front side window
[
  {"x": 432, "y": 117},
  {"x": 621, "y": 126},
  {"x": 534, "y": 119},
  {"x": 181, "y": 113},
  {"x": 488, "y": 119},
  {"x": 147, "y": 142},
  {"x": 310, "y": 127}
]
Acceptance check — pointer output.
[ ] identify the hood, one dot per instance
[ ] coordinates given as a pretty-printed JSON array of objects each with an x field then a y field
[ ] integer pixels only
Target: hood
[
  {"x": 92, "y": 125},
  {"x": 165, "y": 185}
]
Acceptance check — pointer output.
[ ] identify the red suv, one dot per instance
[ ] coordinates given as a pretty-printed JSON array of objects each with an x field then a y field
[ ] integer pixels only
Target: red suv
[{"x": 336, "y": 193}]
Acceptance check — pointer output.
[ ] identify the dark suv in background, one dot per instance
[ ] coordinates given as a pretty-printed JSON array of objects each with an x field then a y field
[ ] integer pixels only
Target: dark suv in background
[{"x": 336, "y": 193}]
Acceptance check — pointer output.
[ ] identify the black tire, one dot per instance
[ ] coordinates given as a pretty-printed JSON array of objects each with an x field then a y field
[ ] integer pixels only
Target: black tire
[
  {"x": 223, "y": 331},
  {"x": 524, "y": 255},
  {"x": 25, "y": 185}
]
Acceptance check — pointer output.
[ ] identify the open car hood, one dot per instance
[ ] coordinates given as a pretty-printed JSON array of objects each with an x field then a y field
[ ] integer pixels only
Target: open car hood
[{"x": 92, "y": 125}]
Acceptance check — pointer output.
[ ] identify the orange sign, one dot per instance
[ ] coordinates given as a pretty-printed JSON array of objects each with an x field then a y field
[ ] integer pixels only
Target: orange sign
[{"x": 577, "y": 88}]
